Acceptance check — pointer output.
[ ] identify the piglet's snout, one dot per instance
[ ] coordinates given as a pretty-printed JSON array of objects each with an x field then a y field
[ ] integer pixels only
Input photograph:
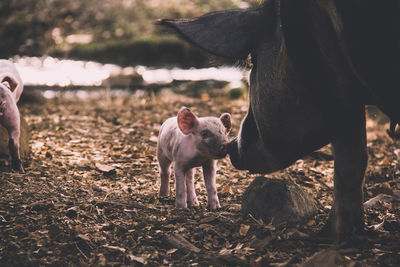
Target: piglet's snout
[{"x": 223, "y": 149}]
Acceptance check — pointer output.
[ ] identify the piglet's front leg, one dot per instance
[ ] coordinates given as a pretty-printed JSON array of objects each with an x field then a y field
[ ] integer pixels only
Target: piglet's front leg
[
  {"x": 180, "y": 187},
  {"x": 209, "y": 173}
]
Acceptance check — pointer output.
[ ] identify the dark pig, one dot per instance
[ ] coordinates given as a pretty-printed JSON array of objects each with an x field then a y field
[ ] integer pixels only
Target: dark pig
[
  {"x": 315, "y": 65},
  {"x": 189, "y": 142},
  {"x": 11, "y": 88}
]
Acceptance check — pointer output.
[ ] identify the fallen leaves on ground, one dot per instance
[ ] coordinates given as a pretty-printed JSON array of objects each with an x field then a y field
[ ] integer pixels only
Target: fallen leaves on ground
[{"x": 89, "y": 195}]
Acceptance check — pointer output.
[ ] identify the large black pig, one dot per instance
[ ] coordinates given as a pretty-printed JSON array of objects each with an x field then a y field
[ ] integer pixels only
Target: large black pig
[{"x": 315, "y": 64}]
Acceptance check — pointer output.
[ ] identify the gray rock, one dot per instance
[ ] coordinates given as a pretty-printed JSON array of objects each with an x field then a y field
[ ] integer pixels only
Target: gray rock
[
  {"x": 327, "y": 258},
  {"x": 24, "y": 141},
  {"x": 278, "y": 201}
]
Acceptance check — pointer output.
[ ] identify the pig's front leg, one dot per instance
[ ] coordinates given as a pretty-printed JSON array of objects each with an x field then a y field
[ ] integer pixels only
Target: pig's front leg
[
  {"x": 209, "y": 173},
  {"x": 191, "y": 193},
  {"x": 350, "y": 150},
  {"x": 180, "y": 187}
]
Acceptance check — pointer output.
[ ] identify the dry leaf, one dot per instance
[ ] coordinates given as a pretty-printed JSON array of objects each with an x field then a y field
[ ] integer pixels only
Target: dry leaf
[
  {"x": 385, "y": 162},
  {"x": 172, "y": 251},
  {"x": 244, "y": 229},
  {"x": 141, "y": 260},
  {"x": 225, "y": 251},
  {"x": 84, "y": 237},
  {"x": 102, "y": 261},
  {"x": 227, "y": 189},
  {"x": 104, "y": 168},
  {"x": 115, "y": 248}
]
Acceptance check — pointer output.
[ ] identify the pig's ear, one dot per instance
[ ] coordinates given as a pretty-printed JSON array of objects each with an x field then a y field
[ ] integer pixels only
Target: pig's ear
[
  {"x": 186, "y": 120},
  {"x": 226, "y": 121},
  {"x": 230, "y": 34},
  {"x": 9, "y": 82}
]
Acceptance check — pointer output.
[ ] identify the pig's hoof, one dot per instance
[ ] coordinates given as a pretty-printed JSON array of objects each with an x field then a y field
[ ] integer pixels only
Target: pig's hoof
[
  {"x": 326, "y": 232},
  {"x": 347, "y": 236}
]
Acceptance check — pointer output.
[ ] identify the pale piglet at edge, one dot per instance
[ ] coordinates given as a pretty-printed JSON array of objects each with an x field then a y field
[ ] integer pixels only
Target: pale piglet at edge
[
  {"x": 11, "y": 88},
  {"x": 188, "y": 142}
]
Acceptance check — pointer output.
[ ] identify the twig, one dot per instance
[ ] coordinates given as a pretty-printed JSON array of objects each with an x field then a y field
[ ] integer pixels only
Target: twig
[
  {"x": 121, "y": 204},
  {"x": 179, "y": 242},
  {"x": 11, "y": 183},
  {"x": 321, "y": 182},
  {"x": 80, "y": 251},
  {"x": 259, "y": 221}
]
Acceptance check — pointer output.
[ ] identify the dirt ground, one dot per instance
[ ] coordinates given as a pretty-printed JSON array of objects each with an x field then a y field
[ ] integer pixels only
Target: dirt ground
[{"x": 89, "y": 195}]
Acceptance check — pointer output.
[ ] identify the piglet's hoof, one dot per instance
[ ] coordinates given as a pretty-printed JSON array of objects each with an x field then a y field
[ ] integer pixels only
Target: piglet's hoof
[
  {"x": 18, "y": 167},
  {"x": 214, "y": 207}
]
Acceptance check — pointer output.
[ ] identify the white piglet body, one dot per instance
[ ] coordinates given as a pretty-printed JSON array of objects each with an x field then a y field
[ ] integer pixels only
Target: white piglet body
[
  {"x": 189, "y": 142},
  {"x": 11, "y": 88}
]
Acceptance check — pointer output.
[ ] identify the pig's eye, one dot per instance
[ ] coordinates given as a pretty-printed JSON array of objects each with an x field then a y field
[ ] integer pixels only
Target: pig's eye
[{"x": 205, "y": 134}]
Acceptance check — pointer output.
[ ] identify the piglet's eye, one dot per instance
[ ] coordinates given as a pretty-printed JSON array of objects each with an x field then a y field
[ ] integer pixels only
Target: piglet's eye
[{"x": 205, "y": 134}]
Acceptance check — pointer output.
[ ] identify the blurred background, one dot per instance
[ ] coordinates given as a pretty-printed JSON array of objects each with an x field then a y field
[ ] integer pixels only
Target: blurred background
[
  {"x": 108, "y": 31},
  {"x": 82, "y": 44}
]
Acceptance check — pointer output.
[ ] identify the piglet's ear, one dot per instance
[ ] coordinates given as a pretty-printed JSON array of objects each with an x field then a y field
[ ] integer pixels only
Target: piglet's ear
[
  {"x": 226, "y": 121},
  {"x": 186, "y": 120},
  {"x": 9, "y": 82}
]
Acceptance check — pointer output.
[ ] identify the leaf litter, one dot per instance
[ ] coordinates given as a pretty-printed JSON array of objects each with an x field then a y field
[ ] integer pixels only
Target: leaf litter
[{"x": 89, "y": 194}]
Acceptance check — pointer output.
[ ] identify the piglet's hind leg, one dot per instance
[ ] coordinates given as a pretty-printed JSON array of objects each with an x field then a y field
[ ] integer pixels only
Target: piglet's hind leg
[
  {"x": 191, "y": 193},
  {"x": 180, "y": 188},
  {"x": 164, "y": 166},
  {"x": 13, "y": 145}
]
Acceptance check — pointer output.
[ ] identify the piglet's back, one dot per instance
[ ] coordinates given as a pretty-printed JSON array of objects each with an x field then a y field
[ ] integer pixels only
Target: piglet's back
[{"x": 169, "y": 137}]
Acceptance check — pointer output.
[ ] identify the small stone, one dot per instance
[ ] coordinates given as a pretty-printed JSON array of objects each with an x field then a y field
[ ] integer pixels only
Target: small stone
[{"x": 328, "y": 258}]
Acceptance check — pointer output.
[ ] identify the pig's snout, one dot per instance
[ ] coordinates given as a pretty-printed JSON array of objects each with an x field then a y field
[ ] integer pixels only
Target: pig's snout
[
  {"x": 233, "y": 152},
  {"x": 232, "y": 146}
]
